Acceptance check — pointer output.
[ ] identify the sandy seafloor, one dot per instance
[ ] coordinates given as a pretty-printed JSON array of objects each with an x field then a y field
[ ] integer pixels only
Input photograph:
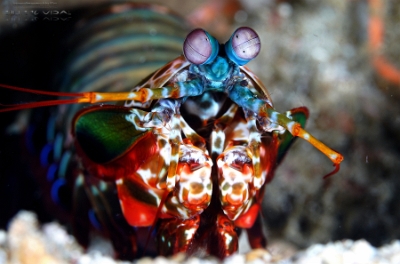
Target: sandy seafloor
[{"x": 314, "y": 53}]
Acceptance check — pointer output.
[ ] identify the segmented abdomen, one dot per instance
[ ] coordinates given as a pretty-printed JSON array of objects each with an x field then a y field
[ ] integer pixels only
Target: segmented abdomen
[
  {"x": 118, "y": 46},
  {"x": 112, "y": 49}
]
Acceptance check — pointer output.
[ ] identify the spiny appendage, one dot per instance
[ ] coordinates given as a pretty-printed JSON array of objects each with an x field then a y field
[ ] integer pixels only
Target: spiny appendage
[{"x": 296, "y": 130}]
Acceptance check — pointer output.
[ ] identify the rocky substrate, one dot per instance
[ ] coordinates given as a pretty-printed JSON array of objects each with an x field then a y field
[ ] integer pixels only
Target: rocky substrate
[{"x": 26, "y": 242}]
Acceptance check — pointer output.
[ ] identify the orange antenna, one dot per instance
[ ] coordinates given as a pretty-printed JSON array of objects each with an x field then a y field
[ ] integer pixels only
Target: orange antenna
[{"x": 88, "y": 97}]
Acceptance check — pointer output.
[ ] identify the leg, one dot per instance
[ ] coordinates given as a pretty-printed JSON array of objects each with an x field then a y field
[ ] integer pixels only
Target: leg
[
  {"x": 227, "y": 241},
  {"x": 176, "y": 235}
]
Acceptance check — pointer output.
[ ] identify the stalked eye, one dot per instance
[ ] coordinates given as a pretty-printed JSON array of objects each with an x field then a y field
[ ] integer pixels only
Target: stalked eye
[
  {"x": 200, "y": 47},
  {"x": 243, "y": 46}
]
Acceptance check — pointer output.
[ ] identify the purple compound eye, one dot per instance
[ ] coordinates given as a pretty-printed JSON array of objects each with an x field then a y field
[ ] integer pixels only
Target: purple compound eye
[
  {"x": 246, "y": 43},
  {"x": 200, "y": 47},
  {"x": 243, "y": 46}
]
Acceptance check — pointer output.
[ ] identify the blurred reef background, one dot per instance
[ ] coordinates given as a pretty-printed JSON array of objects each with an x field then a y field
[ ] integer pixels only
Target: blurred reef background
[{"x": 341, "y": 59}]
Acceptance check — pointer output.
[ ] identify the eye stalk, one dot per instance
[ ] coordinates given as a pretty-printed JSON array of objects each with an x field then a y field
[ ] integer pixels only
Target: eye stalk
[
  {"x": 243, "y": 46},
  {"x": 200, "y": 47}
]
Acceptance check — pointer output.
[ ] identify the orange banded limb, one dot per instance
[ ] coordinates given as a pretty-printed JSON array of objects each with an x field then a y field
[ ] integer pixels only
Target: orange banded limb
[
  {"x": 295, "y": 129},
  {"x": 141, "y": 95},
  {"x": 334, "y": 156}
]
